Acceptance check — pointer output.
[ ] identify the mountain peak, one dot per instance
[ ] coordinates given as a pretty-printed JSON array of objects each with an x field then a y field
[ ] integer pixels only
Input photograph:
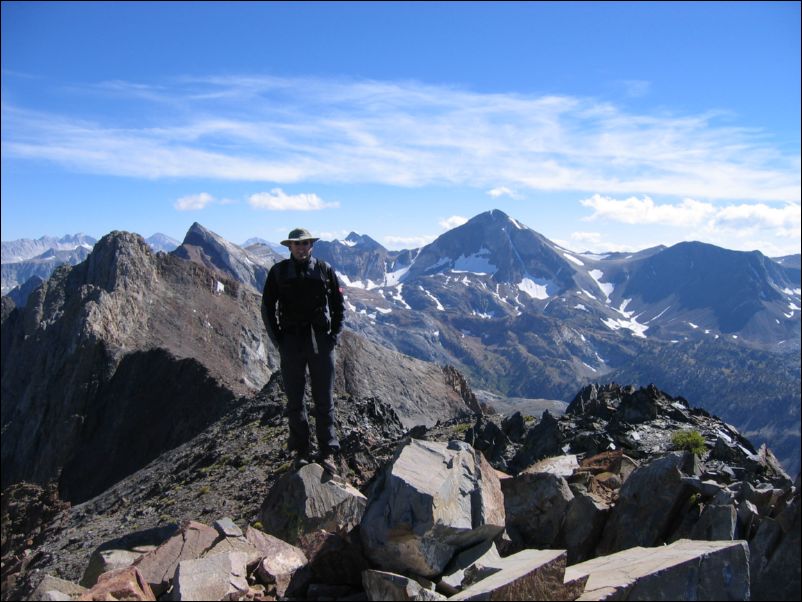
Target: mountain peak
[
  {"x": 119, "y": 259},
  {"x": 496, "y": 218},
  {"x": 354, "y": 239}
]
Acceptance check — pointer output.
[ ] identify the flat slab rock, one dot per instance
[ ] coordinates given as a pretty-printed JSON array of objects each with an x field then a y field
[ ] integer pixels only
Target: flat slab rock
[{"x": 685, "y": 570}]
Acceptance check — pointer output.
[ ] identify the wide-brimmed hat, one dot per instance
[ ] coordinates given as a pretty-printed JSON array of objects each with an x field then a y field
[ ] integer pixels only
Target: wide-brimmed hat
[{"x": 297, "y": 235}]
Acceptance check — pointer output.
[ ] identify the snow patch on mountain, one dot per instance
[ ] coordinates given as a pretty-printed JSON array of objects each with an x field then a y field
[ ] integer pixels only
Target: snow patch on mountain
[
  {"x": 394, "y": 278},
  {"x": 478, "y": 263},
  {"x": 573, "y": 259},
  {"x": 433, "y": 298},
  {"x": 537, "y": 288},
  {"x": 628, "y": 321},
  {"x": 399, "y": 298},
  {"x": 605, "y": 287},
  {"x": 369, "y": 285}
]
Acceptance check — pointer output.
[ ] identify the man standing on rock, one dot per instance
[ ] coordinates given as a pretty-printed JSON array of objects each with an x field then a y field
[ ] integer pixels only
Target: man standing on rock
[{"x": 302, "y": 308}]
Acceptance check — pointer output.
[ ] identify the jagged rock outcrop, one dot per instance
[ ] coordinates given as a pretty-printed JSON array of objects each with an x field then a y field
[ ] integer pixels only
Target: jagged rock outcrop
[
  {"x": 212, "y": 251},
  {"x": 105, "y": 347},
  {"x": 432, "y": 501},
  {"x": 421, "y": 393},
  {"x": 151, "y": 349}
]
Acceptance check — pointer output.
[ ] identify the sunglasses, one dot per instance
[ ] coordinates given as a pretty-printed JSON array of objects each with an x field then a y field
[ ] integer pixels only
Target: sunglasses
[{"x": 301, "y": 243}]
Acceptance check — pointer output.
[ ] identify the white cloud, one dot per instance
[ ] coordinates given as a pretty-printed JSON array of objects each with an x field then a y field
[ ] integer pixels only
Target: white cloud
[
  {"x": 761, "y": 215},
  {"x": 645, "y": 211},
  {"x": 278, "y": 200},
  {"x": 775, "y": 230},
  {"x": 690, "y": 212},
  {"x": 406, "y": 134},
  {"x": 453, "y": 222},
  {"x": 503, "y": 191},
  {"x": 194, "y": 202}
]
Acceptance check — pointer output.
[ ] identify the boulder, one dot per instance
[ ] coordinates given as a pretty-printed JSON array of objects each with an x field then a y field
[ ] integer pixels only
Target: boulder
[
  {"x": 584, "y": 522},
  {"x": 470, "y": 565},
  {"x": 717, "y": 523},
  {"x": 535, "y": 505},
  {"x": 192, "y": 541},
  {"x": 333, "y": 558},
  {"x": 648, "y": 505},
  {"x": 431, "y": 501},
  {"x": 684, "y": 570},
  {"x": 775, "y": 554},
  {"x": 562, "y": 466},
  {"x": 309, "y": 499},
  {"x": 543, "y": 440},
  {"x": 380, "y": 585},
  {"x": 218, "y": 577},
  {"x": 280, "y": 562},
  {"x": 120, "y": 584},
  {"x": 527, "y": 575},
  {"x": 124, "y": 551},
  {"x": 54, "y": 588}
]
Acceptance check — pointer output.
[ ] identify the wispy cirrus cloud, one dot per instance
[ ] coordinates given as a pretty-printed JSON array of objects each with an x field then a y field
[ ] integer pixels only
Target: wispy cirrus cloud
[{"x": 291, "y": 130}]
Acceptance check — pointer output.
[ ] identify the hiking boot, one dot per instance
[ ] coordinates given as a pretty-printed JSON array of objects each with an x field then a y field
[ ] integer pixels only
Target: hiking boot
[
  {"x": 329, "y": 464},
  {"x": 300, "y": 461}
]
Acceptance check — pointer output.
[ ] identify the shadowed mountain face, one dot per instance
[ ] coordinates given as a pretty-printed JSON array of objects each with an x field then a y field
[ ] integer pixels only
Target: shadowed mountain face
[
  {"x": 130, "y": 354},
  {"x": 80, "y": 359},
  {"x": 732, "y": 285}
]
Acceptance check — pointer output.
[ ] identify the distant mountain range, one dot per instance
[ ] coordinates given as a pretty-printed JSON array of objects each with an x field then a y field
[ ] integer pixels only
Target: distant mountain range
[
  {"x": 526, "y": 318},
  {"x": 27, "y": 258}
]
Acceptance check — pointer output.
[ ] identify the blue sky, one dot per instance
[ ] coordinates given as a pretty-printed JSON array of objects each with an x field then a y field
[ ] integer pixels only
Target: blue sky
[{"x": 603, "y": 126}]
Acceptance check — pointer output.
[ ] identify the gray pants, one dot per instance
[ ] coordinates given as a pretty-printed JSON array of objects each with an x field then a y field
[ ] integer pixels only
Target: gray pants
[{"x": 298, "y": 351}]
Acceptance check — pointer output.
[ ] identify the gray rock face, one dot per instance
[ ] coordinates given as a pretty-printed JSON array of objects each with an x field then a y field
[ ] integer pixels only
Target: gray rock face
[
  {"x": 527, "y": 575},
  {"x": 219, "y": 577},
  {"x": 380, "y": 585},
  {"x": 649, "y": 502},
  {"x": 308, "y": 500},
  {"x": 103, "y": 344},
  {"x": 775, "y": 553},
  {"x": 584, "y": 522},
  {"x": 421, "y": 393},
  {"x": 431, "y": 501},
  {"x": 684, "y": 570},
  {"x": 231, "y": 261},
  {"x": 192, "y": 541},
  {"x": 535, "y": 504}
]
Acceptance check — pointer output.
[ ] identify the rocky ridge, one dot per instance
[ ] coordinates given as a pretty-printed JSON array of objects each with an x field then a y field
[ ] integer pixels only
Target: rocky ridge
[
  {"x": 104, "y": 347},
  {"x": 614, "y": 484}
]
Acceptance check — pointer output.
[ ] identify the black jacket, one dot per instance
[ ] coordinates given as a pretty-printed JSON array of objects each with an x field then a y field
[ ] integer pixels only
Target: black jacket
[{"x": 300, "y": 295}]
